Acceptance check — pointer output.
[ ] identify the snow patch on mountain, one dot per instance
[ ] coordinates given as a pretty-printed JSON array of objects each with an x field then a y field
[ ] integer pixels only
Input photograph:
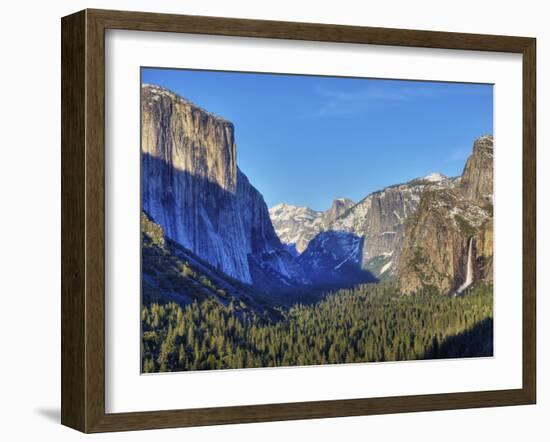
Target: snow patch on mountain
[
  {"x": 386, "y": 267},
  {"x": 435, "y": 177}
]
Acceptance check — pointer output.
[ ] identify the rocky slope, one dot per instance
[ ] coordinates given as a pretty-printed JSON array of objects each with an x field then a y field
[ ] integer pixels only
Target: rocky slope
[
  {"x": 193, "y": 189},
  {"x": 439, "y": 234}
]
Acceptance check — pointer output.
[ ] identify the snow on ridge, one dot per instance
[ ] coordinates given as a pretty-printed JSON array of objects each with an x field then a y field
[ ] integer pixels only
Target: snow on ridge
[
  {"x": 290, "y": 207},
  {"x": 344, "y": 200},
  {"x": 398, "y": 216},
  {"x": 351, "y": 255},
  {"x": 435, "y": 177},
  {"x": 386, "y": 267}
]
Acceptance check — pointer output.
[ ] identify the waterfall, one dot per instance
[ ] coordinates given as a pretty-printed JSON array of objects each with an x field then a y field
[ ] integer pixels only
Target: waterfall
[{"x": 469, "y": 269}]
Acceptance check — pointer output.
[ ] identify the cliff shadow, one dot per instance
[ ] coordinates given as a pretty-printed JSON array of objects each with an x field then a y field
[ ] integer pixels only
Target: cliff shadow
[
  {"x": 203, "y": 216},
  {"x": 475, "y": 342},
  {"x": 228, "y": 228},
  {"x": 198, "y": 213},
  {"x": 333, "y": 260}
]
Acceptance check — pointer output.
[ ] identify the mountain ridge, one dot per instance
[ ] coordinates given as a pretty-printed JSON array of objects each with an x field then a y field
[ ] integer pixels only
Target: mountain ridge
[
  {"x": 379, "y": 218},
  {"x": 389, "y": 222}
]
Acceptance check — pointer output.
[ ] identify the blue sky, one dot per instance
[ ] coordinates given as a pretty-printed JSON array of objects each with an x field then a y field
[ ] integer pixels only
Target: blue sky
[{"x": 306, "y": 140}]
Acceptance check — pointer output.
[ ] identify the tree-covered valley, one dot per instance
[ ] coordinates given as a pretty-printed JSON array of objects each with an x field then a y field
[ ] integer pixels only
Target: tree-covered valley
[{"x": 366, "y": 324}]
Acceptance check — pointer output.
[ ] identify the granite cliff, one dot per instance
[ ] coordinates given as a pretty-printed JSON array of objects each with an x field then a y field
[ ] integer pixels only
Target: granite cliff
[
  {"x": 449, "y": 227},
  {"x": 476, "y": 183},
  {"x": 192, "y": 187}
]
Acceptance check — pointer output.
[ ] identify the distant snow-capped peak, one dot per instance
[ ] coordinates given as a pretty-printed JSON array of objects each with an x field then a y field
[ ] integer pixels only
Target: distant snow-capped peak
[
  {"x": 288, "y": 211},
  {"x": 435, "y": 177},
  {"x": 298, "y": 225}
]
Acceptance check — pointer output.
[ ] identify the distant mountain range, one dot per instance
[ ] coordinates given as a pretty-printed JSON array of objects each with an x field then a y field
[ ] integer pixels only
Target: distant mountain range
[
  {"x": 419, "y": 234},
  {"x": 378, "y": 221},
  {"x": 297, "y": 226}
]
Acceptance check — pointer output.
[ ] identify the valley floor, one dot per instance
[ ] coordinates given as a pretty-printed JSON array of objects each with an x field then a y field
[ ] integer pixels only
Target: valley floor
[{"x": 366, "y": 324}]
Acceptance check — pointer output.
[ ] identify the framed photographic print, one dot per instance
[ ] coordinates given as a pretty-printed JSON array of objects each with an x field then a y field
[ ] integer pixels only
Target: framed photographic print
[{"x": 269, "y": 220}]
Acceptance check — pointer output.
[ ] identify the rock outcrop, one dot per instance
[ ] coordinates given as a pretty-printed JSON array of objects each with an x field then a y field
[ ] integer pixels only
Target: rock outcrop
[
  {"x": 477, "y": 179},
  {"x": 438, "y": 235},
  {"x": 193, "y": 189},
  {"x": 296, "y": 226},
  {"x": 338, "y": 208}
]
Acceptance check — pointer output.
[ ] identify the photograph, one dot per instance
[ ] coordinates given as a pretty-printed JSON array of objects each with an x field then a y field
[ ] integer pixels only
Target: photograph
[
  {"x": 301, "y": 220},
  {"x": 252, "y": 221}
]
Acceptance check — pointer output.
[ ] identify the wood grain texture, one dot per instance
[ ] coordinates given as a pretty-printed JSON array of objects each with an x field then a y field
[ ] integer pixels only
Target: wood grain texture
[
  {"x": 95, "y": 221},
  {"x": 73, "y": 350},
  {"x": 83, "y": 220},
  {"x": 144, "y": 21},
  {"x": 529, "y": 221}
]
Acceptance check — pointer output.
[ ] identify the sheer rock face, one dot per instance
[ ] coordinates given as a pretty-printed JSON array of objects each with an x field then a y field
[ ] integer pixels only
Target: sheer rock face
[
  {"x": 192, "y": 187},
  {"x": 477, "y": 178},
  {"x": 435, "y": 250}
]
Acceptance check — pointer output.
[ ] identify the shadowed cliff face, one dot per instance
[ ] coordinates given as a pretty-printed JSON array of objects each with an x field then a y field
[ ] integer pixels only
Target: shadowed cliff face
[
  {"x": 192, "y": 187},
  {"x": 333, "y": 258}
]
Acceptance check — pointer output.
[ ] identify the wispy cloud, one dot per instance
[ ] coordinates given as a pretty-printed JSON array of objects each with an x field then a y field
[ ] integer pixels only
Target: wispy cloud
[{"x": 340, "y": 102}]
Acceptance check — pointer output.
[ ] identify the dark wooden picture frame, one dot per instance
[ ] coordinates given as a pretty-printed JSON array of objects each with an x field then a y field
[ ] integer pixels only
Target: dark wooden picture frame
[{"x": 83, "y": 220}]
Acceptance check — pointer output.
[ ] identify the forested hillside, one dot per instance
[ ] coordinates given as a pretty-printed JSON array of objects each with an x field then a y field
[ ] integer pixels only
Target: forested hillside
[{"x": 367, "y": 324}]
